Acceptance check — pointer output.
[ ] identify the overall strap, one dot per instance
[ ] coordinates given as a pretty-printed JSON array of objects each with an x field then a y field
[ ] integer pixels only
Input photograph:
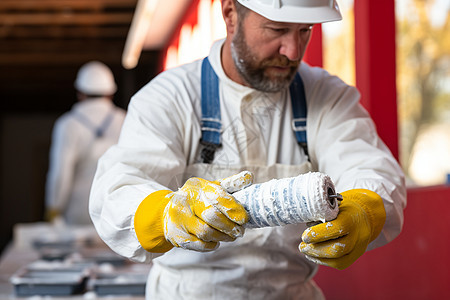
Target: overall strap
[
  {"x": 98, "y": 131},
  {"x": 105, "y": 124},
  {"x": 211, "y": 119},
  {"x": 298, "y": 99}
]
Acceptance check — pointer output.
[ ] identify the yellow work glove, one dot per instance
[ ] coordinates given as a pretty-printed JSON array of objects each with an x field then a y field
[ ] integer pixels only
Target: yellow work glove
[
  {"x": 197, "y": 217},
  {"x": 51, "y": 214},
  {"x": 340, "y": 242}
]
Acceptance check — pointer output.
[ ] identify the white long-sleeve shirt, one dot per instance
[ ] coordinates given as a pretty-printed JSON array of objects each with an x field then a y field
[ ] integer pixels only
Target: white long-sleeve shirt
[
  {"x": 161, "y": 134},
  {"x": 74, "y": 153}
]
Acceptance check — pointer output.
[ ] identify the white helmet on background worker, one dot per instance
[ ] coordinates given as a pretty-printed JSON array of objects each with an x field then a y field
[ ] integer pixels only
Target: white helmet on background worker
[
  {"x": 95, "y": 78},
  {"x": 295, "y": 11}
]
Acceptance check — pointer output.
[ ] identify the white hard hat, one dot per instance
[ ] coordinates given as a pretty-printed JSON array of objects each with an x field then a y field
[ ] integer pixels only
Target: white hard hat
[
  {"x": 95, "y": 78},
  {"x": 296, "y": 11}
]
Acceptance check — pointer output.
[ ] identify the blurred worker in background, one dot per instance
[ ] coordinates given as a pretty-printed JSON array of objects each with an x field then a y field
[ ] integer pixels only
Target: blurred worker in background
[
  {"x": 79, "y": 138},
  {"x": 244, "y": 108}
]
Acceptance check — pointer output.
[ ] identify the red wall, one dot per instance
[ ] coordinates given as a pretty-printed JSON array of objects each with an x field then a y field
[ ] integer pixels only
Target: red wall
[{"x": 416, "y": 265}]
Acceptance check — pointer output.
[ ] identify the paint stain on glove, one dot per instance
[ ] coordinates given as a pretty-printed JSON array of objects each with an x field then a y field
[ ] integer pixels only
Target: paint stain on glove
[
  {"x": 201, "y": 214},
  {"x": 339, "y": 243}
]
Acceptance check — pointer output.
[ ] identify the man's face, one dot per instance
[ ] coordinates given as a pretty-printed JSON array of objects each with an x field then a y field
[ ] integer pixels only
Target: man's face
[{"x": 267, "y": 54}]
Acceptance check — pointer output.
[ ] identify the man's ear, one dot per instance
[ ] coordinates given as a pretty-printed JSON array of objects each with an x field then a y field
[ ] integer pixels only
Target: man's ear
[{"x": 229, "y": 15}]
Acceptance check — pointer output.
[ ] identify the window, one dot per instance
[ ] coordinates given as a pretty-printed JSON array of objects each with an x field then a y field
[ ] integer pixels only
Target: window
[
  {"x": 423, "y": 81},
  {"x": 423, "y": 87},
  {"x": 339, "y": 44}
]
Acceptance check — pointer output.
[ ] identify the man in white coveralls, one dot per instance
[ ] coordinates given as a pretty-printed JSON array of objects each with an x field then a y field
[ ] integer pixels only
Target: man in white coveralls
[
  {"x": 80, "y": 136},
  {"x": 244, "y": 108}
]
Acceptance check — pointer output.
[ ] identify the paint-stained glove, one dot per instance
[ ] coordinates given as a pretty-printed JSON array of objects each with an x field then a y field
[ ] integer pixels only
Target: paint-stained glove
[
  {"x": 197, "y": 216},
  {"x": 341, "y": 242}
]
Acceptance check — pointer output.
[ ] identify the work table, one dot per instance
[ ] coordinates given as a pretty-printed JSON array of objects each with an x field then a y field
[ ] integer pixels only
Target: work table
[{"x": 22, "y": 257}]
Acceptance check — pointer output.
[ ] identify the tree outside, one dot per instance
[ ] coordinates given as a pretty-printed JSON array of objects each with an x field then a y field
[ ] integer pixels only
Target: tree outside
[{"x": 423, "y": 81}]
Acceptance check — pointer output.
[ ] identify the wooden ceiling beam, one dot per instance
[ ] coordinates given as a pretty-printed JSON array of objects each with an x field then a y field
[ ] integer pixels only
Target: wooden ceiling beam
[
  {"x": 63, "y": 32},
  {"x": 65, "y": 19},
  {"x": 58, "y": 4}
]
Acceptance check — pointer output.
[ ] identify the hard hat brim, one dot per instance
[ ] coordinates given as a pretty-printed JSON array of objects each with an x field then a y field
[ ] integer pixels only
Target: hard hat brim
[{"x": 290, "y": 14}]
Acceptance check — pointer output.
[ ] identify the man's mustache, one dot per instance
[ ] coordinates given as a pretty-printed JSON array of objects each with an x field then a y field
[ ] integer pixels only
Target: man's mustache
[{"x": 280, "y": 61}]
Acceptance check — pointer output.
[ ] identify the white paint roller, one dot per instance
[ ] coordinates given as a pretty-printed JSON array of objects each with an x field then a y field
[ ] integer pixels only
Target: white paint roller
[{"x": 305, "y": 198}]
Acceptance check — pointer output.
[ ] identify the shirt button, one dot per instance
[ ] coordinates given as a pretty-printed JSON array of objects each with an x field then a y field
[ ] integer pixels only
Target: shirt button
[{"x": 247, "y": 98}]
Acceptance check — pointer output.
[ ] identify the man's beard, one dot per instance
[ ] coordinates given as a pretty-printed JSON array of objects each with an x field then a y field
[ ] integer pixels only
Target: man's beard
[{"x": 254, "y": 71}]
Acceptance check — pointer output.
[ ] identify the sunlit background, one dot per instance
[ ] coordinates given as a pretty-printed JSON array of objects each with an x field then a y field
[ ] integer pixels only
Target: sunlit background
[{"x": 423, "y": 81}]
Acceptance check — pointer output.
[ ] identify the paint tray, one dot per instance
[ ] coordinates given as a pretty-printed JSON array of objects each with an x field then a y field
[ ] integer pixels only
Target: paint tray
[
  {"x": 49, "y": 282},
  {"x": 118, "y": 284}
]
